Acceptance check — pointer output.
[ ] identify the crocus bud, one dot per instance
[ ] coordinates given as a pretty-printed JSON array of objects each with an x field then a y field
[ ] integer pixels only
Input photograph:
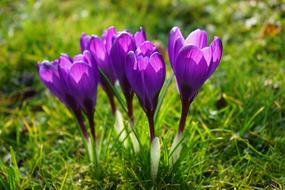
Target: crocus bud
[
  {"x": 123, "y": 43},
  {"x": 145, "y": 70},
  {"x": 193, "y": 62},
  {"x": 100, "y": 49}
]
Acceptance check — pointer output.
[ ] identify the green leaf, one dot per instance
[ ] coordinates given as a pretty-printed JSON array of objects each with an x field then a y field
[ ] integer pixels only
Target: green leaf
[
  {"x": 114, "y": 90},
  {"x": 161, "y": 96}
]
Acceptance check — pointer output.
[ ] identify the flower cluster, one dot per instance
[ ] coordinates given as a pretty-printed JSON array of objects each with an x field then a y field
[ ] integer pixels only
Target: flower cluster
[{"x": 138, "y": 67}]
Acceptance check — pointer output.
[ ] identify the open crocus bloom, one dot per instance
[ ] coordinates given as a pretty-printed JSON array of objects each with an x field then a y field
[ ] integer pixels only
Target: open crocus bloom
[
  {"x": 74, "y": 82},
  {"x": 192, "y": 60},
  {"x": 145, "y": 70}
]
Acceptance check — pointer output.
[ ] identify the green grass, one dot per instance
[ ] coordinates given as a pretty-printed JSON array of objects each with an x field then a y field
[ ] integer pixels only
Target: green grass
[{"x": 235, "y": 133}]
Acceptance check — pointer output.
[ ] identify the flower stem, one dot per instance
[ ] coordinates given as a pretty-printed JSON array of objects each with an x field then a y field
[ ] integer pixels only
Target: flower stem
[
  {"x": 111, "y": 99},
  {"x": 130, "y": 110},
  {"x": 112, "y": 103},
  {"x": 151, "y": 126},
  {"x": 185, "y": 108},
  {"x": 79, "y": 118},
  {"x": 90, "y": 117}
]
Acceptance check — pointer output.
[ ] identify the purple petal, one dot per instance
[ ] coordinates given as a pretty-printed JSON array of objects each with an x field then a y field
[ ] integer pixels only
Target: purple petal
[
  {"x": 107, "y": 37},
  {"x": 49, "y": 76},
  {"x": 47, "y": 69},
  {"x": 173, "y": 35},
  {"x": 79, "y": 58},
  {"x": 157, "y": 62},
  {"x": 207, "y": 52},
  {"x": 84, "y": 42},
  {"x": 64, "y": 64},
  {"x": 191, "y": 70},
  {"x": 198, "y": 38},
  {"x": 146, "y": 49},
  {"x": 78, "y": 70},
  {"x": 140, "y": 36},
  {"x": 133, "y": 74},
  {"x": 217, "y": 50},
  {"x": 131, "y": 62},
  {"x": 88, "y": 59},
  {"x": 154, "y": 76},
  {"x": 142, "y": 62},
  {"x": 123, "y": 43},
  {"x": 98, "y": 50},
  {"x": 179, "y": 43},
  {"x": 84, "y": 85},
  {"x": 102, "y": 58}
]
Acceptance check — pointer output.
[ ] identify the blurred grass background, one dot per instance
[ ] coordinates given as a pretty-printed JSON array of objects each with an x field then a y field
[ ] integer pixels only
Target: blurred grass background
[{"x": 236, "y": 125}]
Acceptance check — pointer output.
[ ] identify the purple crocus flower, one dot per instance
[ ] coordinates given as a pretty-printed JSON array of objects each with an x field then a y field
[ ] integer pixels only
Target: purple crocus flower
[
  {"x": 74, "y": 82},
  {"x": 100, "y": 48},
  {"x": 81, "y": 76},
  {"x": 123, "y": 43},
  {"x": 49, "y": 75},
  {"x": 145, "y": 71},
  {"x": 84, "y": 42},
  {"x": 140, "y": 36},
  {"x": 193, "y": 62}
]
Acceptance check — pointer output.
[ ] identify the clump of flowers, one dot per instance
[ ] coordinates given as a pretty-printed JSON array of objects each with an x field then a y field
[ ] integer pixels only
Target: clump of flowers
[
  {"x": 109, "y": 52},
  {"x": 140, "y": 69}
]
